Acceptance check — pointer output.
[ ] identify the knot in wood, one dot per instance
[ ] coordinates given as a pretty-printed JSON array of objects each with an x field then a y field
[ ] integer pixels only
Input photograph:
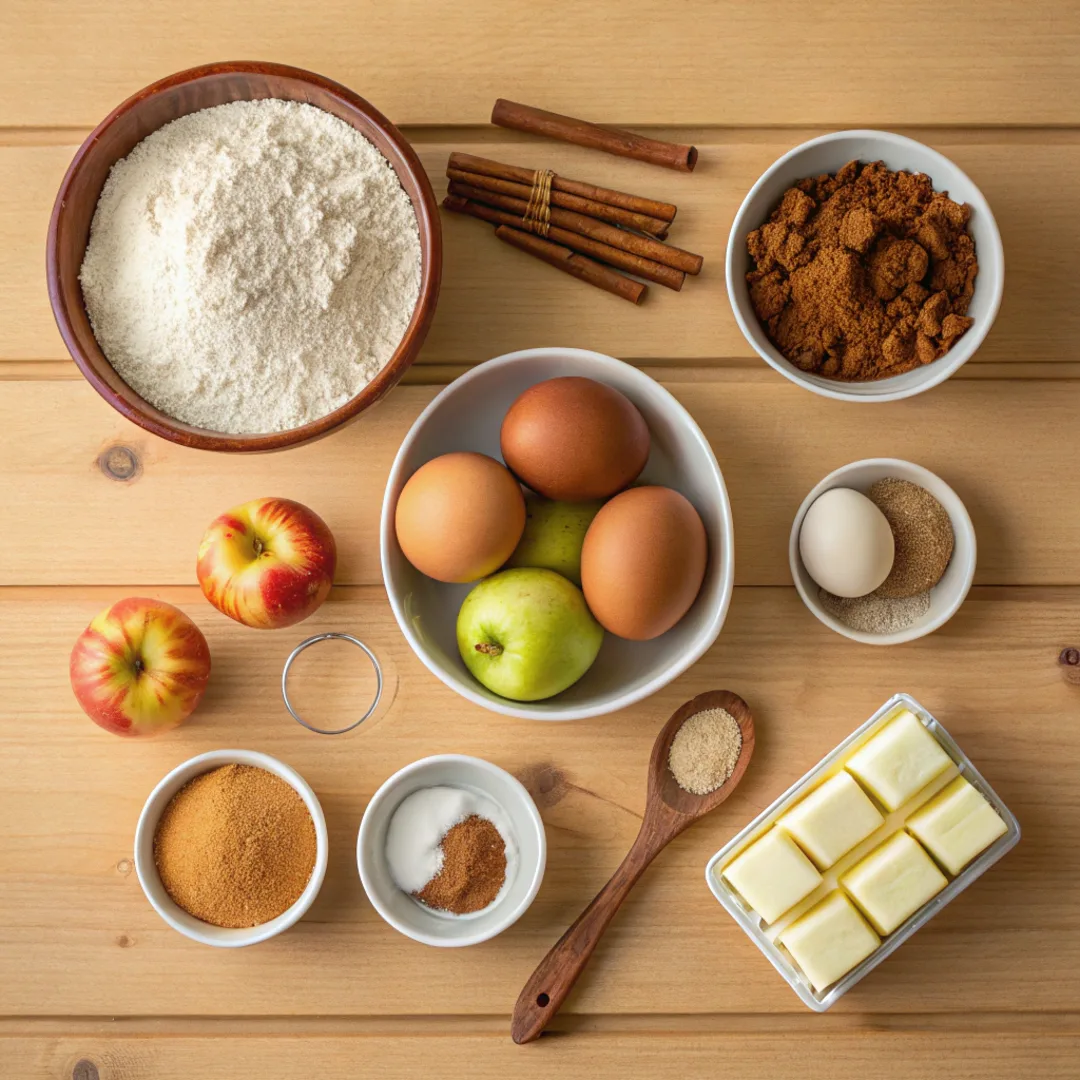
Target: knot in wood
[
  {"x": 545, "y": 783},
  {"x": 119, "y": 463},
  {"x": 85, "y": 1070},
  {"x": 1069, "y": 662}
]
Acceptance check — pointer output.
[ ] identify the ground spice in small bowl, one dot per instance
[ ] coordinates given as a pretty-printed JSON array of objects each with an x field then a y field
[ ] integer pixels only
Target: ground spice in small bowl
[
  {"x": 873, "y": 614},
  {"x": 865, "y": 274},
  {"x": 922, "y": 535},
  {"x": 705, "y": 750},
  {"x": 235, "y": 847},
  {"x": 473, "y": 868}
]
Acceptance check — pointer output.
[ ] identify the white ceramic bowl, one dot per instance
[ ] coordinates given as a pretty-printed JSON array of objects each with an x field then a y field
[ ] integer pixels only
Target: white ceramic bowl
[
  {"x": 468, "y": 415},
  {"x": 826, "y": 155},
  {"x": 175, "y": 916},
  {"x": 945, "y": 597},
  {"x": 411, "y": 917}
]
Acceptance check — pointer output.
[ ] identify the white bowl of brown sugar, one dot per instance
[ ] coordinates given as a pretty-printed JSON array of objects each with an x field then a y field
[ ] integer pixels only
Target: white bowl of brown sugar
[
  {"x": 865, "y": 266},
  {"x": 231, "y": 848},
  {"x": 916, "y": 504}
]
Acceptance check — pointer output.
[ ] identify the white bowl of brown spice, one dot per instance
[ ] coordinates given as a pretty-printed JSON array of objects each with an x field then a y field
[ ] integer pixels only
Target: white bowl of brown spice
[
  {"x": 868, "y": 287},
  {"x": 231, "y": 848},
  {"x": 898, "y": 488},
  {"x": 414, "y": 813}
]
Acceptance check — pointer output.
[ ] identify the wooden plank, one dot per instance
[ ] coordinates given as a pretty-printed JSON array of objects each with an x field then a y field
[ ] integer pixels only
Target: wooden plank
[
  {"x": 1007, "y": 448},
  {"x": 850, "y": 1056},
  {"x": 77, "y": 937},
  {"x": 779, "y": 62},
  {"x": 495, "y": 299}
]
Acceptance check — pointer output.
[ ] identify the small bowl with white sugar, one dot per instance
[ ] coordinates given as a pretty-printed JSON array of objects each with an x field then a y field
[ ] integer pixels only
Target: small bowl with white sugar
[
  {"x": 451, "y": 850},
  {"x": 244, "y": 257}
]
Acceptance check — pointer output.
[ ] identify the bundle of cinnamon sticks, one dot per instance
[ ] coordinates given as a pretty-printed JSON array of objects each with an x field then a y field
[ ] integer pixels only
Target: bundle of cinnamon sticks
[{"x": 596, "y": 234}]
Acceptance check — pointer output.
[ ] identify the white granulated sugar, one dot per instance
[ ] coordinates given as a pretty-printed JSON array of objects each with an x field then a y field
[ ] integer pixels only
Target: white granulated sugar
[{"x": 251, "y": 267}]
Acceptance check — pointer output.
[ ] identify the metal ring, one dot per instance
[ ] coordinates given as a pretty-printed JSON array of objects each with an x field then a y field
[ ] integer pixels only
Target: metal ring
[{"x": 307, "y": 644}]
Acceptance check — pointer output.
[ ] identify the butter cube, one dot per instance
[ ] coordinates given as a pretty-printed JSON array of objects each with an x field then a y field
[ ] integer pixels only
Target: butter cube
[
  {"x": 829, "y": 940},
  {"x": 831, "y": 820},
  {"x": 956, "y": 825},
  {"x": 772, "y": 875},
  {"x": 899, "y": 761},
  {"x": 893, "y": 881}
]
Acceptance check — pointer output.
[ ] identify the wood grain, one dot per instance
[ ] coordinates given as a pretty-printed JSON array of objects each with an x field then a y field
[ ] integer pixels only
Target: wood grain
[
  {"x": 999, "y": 444},
  {"x": 778, "y": 62},
  {"x": 78, "y": 937},
  {"x": 517, "y": 304},
  {"x": 846, "y": 1056}
]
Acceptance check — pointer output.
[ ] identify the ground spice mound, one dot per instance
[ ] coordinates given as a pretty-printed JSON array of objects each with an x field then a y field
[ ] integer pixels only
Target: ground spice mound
[
  {"x": 473, "y": 869},
  {"x": 923, "y": 534},
  {"x": 235, "y": 847},
  {"x": 705, "y": 750},
  {"x": 864, "y": 274}
]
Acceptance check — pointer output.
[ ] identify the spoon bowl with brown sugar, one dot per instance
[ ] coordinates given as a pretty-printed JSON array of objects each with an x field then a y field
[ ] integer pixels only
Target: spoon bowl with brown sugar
[{"x": 669, "y": 809}]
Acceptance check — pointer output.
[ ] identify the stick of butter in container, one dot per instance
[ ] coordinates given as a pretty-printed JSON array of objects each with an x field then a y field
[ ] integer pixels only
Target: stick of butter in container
[{"x": 857, "y": 855}]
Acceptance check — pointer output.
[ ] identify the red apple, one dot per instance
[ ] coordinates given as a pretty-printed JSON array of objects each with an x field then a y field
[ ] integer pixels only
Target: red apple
[
  {"x": 268, "y": 563},
  {"x": 140, "y": 667}
]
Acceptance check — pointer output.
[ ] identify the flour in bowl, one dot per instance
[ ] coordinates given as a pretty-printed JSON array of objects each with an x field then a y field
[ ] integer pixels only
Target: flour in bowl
[{"x": 251, "y": 267}]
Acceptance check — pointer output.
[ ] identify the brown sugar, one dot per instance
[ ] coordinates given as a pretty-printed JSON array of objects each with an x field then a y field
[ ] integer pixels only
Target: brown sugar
[
  {"x": 923, "y": 534},
  {"x": 865, "y": 274},
  {"x": 235, "y": 847},
  {"x": 473, "y": 869}
]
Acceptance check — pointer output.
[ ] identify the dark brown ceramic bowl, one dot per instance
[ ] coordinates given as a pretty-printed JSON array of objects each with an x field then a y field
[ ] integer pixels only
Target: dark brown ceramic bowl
[{"x": 152, "y": 108}]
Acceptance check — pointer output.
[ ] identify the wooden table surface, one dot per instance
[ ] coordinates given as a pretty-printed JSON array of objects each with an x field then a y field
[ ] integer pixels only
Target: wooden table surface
[{"x": 93, "y": 984}]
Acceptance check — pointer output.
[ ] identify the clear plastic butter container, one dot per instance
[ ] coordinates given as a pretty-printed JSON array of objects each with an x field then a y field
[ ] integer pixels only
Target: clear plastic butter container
[{"x": 766, "y": 936}]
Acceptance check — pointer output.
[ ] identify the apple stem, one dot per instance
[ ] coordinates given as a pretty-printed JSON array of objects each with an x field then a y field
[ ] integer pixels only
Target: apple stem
[
  {"x": 139, "y": 665},
  {"x": 489, "y": 649},
  {"x": 257, "y": 544}
]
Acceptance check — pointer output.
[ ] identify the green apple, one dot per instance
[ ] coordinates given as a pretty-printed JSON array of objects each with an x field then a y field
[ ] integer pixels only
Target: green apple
[
  {"x": 527, "y": 633},
  {"x": 554, "y": 533}
]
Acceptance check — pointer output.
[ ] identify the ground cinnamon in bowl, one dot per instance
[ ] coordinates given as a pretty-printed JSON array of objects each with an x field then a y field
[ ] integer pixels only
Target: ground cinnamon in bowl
[
  {"x": 865, "y": 274},
  {"x": 235, "y": 847},
  {"x": 473, "y": 869}
]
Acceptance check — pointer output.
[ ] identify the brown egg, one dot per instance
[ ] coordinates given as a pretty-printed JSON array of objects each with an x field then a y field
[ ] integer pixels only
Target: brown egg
[
  {"x": 459, "y": 517},
  {"x": 643, "y": 562},
  {"x": 575, "y": 439}
]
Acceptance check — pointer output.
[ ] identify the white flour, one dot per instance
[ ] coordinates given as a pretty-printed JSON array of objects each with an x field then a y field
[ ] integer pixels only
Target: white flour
[{"x": 251, "y": 267}]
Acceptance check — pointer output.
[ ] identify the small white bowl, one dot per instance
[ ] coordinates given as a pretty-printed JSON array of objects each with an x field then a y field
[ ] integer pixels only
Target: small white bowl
[
  {"x": 468, "y": 415},
  {"x": 175, "y": 916},
  {"x": 945, "y": 597},
  {"x": 414, "y": 919},
  {"x": 827, "y": 154}
]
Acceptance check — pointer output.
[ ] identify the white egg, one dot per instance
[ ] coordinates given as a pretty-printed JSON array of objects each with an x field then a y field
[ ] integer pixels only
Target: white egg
[{"x": 846, "y": 543}]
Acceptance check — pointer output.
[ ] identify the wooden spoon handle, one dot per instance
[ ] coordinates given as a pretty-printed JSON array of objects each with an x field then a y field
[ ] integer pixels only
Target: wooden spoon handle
[{"x": 556, "y": 974}]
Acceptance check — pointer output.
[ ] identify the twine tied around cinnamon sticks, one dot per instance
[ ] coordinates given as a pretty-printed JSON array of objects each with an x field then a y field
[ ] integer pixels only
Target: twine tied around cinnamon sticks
[
  {"x": 538, "y": 212},
  {"x": 575, "y": 226}
]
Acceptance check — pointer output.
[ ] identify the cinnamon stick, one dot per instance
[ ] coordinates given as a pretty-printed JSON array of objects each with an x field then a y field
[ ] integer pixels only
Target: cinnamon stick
[
  {"x": 601, "y": 211},
  {"x": 635, "y": 203},
  {"x": 511, "y": 114},
  {"x": 624, "y": 260},
  {"x": 596, "y": 230},
  {"x": 603, "y": 277}
]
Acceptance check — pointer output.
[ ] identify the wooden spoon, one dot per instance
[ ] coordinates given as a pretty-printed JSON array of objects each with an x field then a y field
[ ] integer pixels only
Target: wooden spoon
[{"x": 668, "y": 810}]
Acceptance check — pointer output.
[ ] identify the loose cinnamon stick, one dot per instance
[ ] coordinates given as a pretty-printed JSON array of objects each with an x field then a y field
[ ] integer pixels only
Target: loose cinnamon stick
[
  {"x": 511, "y": 114},
  {"x": 601, "y": 211},
  {"x": 624, "y": 260},
  {"x": 635, "y": 203},
  {"x": 578, "y": 266},
  {"x": 596, "y": 230}
]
